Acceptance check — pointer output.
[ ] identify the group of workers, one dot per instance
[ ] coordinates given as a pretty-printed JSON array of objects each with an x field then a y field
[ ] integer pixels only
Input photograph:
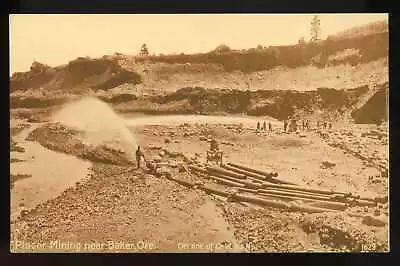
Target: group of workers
[
  {"x": 324, "y": 125},
  {"x": 291, "y": 125},
  {"x": 263, "y": 127}
]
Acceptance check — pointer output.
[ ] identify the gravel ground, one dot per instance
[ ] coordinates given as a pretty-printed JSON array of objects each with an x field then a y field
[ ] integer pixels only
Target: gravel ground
[{"x": 121, "y": 209}]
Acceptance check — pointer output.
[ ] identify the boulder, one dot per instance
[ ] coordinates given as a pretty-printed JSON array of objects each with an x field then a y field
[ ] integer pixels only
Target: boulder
[
  {"x": 327, "y": 164},
  {"x": 24, "y": 212},
  {"x": 227, "y": 143},
  {"x": 373, "y": 221},
  {"x": 203, "y": 138}
]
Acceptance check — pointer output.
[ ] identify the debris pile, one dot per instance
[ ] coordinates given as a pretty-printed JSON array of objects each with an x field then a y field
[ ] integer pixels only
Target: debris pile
[
  {"x": 262, "y": 231},
  {"x": 57, "y": 137},
  {"x": 360, "y": 146},
  {"x": 342, "y": 233}
]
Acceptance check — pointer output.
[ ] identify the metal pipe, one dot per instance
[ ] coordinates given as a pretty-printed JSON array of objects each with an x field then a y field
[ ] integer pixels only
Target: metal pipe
[
  {"x": 183, "y": 182},
  {"x": 248, "y": 190},
  {"x": 361, "y": 202},
  {"x": 339, "y": 206},
  {"x": 198, "y": 169},
  {"x": 227, "y": 182},
  {"x": 299, "y": 192},
  {"x": 284, "y": 193},
  {"x": 244, "y": 182},
  {"x": 214, "y": 191},
  {"x": 310, "y": 202},
  {"x": 243, "y": 172},
  {"x": 262, "y": 173},
  {"x": 255, "y": 180},
  {"x": 225, "y": 172},
  {"x": 281, "y": 205},
  {"x": 376, "y": 199},
  {"x": 309, "y": 209},
  {"x": 302, "y": 192},
  {"x": 321, "y": 198},
  {"x": 270, "y": 203},
  {"x": 281, "y": 197},
  {"x": 267, "y": 176},
  {"x": 320, "y": 191},
  {"x": 260, "y": 201}
]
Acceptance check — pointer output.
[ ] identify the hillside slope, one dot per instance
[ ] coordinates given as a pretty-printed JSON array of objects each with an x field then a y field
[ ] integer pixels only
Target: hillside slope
[
  {"x": 332, "y": 78},
  {"x": 81, "y": 73}
]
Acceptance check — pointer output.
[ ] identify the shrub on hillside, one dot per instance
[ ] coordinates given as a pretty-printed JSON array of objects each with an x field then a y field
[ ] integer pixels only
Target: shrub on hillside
[
  {"x": 370, "y": 47},
  {"x": 223, "y": 48}
]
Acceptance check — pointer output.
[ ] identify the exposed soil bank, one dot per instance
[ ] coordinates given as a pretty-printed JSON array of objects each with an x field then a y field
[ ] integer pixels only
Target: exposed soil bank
[
  {"x": 78, "y": 74},
  {"x": 375, "y": 110},
  {"x": 327, "y": 103},
  {"x": 59, "y": 138}
]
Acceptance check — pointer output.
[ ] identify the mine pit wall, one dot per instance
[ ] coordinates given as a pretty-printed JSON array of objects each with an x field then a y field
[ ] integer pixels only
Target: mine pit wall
[
  {"x": 38, "y": 101},
  {"x": 279, "y": 104},
  {"x": 375, "y": 110}
]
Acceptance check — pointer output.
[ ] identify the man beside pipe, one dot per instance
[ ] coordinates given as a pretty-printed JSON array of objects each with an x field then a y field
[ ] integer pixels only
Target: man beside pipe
[{"x": 139, "y": 154}]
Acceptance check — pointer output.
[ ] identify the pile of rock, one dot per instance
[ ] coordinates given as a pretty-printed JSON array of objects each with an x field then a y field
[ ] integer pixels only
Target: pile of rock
[
  {"x": 57, "y": 137},
  {"x": 360, "y": 146},
  {"x": 340, "y": 232}
]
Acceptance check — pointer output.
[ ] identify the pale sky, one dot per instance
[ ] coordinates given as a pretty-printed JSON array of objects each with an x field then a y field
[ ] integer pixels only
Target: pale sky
[{"x": 57, "y": 39}]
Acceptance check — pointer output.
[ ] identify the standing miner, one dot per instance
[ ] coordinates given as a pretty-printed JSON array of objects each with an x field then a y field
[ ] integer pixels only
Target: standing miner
[
  {"x": 214, "y": 145},
  {"x": 139, "y": 155}
]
